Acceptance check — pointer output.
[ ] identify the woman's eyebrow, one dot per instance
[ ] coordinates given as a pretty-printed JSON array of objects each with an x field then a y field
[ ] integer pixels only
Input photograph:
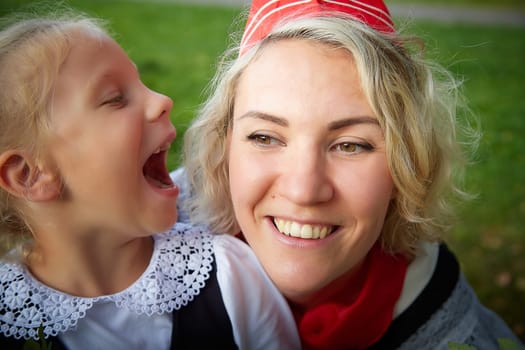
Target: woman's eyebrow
[
  {"x": 264, "y": 116},
  {"x": 338, "y": 124}
]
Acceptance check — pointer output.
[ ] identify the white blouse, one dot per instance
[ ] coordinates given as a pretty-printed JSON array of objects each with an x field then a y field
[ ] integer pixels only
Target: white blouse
[{"x": 140, "y": 316}]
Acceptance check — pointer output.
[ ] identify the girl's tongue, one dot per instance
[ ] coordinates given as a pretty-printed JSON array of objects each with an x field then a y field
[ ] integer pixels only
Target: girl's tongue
[{"x": 155, "y": 171}]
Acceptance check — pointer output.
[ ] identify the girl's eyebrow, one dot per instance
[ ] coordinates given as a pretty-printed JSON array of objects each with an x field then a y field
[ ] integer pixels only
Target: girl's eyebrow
[
  {"x": 107, "y": 76},
  {"x": 98, "y": 79}
]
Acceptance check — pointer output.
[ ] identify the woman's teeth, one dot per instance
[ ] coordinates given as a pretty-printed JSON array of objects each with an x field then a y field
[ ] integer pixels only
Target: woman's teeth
[{"x": 306, "y": 231}]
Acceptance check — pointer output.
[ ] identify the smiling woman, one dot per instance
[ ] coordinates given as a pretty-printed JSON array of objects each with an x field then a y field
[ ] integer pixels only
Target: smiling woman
[
  {"x": 330, "y": 145},
  {"x": 299, "y": 175}
]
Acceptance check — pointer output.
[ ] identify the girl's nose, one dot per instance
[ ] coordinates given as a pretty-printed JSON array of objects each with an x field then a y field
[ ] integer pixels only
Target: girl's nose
[
  {"x": 304, "y": 180},
  {"x": 158, "y": 105}
]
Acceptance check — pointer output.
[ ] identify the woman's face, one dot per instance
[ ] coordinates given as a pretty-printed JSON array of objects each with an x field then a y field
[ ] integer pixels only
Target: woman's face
[{"x": 308, "y": 171}]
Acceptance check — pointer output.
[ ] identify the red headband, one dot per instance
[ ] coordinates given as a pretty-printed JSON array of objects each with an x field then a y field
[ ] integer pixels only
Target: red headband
[{"x": 265, "y": 13}]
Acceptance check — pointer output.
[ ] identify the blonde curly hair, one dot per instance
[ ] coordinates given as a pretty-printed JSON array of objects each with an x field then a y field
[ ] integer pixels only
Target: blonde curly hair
[{"x": 415, "y": 102}]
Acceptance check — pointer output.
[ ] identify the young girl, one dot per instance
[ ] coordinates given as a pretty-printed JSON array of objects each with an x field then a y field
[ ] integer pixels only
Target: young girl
[{"x": 83, "y": 147}]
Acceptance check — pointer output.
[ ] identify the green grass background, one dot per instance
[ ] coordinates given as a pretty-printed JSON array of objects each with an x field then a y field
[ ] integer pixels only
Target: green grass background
[{"x": 176, "y": 47}]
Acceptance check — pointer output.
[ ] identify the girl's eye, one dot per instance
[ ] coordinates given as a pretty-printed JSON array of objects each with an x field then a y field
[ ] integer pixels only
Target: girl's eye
[
  {"x": 263, "y": 140},
  {"x": 118, "y": 100}
]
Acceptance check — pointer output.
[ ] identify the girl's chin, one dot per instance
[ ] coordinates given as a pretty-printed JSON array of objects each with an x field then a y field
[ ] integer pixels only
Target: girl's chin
[{"x": 165, "y": 221}]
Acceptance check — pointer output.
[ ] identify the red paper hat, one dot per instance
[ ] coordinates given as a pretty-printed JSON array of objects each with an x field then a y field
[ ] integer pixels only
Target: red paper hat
[{"x": 265, "y": 13}]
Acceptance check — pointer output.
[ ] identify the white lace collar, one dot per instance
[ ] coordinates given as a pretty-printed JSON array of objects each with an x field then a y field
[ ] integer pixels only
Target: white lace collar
[{"x": 180, "y": 265}]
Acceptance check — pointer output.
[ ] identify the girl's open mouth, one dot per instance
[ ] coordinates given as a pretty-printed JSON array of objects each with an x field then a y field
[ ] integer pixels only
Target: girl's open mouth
[{"x": 155, "y": 170}]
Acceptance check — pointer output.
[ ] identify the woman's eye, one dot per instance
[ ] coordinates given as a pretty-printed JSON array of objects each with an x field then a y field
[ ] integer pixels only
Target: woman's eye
[
  {"x": 263, "y": 140},
  {"x": 352, "y": 147}
]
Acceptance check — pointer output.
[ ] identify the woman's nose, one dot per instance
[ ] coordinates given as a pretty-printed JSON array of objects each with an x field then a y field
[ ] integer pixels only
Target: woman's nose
[
  {"x": 158, "y": 105},
  {"x": 304, "y": 180}
]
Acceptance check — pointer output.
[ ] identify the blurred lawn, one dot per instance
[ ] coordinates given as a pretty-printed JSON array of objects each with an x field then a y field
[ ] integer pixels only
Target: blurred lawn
[
  {"x": 490, "y": 240},
  {"x": 176, "y": 47}
]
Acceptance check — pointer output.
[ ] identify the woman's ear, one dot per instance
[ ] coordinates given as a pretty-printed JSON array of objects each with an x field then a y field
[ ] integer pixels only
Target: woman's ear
[{"x": 21, "y": 177}]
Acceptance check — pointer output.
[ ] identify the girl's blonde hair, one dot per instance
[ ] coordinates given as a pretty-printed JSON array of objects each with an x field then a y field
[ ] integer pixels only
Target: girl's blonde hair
[
  {"x": 32, "y": 50},
  {"x": 414, "y": 100}
]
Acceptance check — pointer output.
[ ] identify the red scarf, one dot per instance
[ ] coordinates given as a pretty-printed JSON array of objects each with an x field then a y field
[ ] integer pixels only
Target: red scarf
[{"x": 349, "y": 322}]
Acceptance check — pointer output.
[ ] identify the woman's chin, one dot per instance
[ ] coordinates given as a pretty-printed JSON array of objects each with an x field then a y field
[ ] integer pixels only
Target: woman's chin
[{"x": 298, "y": 290}]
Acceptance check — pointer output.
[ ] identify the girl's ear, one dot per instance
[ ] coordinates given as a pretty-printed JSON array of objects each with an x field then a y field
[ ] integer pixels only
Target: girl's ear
[{"x": 21, "y": 177}]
